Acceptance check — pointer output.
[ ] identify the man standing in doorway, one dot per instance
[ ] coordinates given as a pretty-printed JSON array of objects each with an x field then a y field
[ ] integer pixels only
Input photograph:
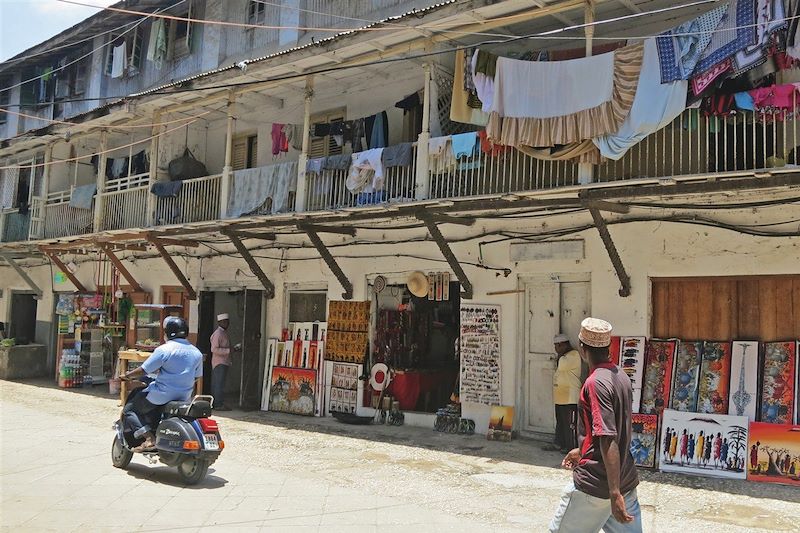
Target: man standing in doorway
[
  {"x": 220, "y": 361},
  {"x": 602, "y": 494},
  {"x": 566, "y": 388}
]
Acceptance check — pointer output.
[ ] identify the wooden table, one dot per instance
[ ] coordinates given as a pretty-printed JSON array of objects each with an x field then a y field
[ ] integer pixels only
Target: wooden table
[{"x": 140, "y": 357}]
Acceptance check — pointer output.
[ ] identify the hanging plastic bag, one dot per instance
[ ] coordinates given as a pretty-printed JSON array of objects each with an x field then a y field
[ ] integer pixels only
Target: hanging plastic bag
[{"x": 186, "y": 167}]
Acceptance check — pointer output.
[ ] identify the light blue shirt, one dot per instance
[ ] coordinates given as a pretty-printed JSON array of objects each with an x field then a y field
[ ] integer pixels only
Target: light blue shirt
[{"x": 176, "y": 364}]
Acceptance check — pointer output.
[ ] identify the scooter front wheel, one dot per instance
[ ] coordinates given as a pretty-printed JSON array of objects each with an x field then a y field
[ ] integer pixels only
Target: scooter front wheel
[
  {"x": 193, "y": 470},
  {"x": 120, "y": 455}
]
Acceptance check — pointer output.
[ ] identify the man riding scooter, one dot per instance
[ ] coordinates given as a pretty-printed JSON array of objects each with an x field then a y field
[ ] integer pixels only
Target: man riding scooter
[{"x": 176, "y": 365}]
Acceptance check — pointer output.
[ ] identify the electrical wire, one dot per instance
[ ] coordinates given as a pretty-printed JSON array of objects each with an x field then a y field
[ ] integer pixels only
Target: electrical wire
[
  {"x": 111, "y": 127},
  {"x": 551, "y": 34},
  {"x": 109, "y": 150},
  {"x": 58, "y": 69}
]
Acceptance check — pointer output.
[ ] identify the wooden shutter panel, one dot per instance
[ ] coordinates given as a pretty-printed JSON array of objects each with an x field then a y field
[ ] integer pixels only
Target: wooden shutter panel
[{"x": 239, "y": 155}]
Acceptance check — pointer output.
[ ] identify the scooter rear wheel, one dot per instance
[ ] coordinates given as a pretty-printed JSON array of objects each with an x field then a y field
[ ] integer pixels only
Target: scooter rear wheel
[
  {"x": 193, "y": 470},
  {"x": 120, "y": 455}
]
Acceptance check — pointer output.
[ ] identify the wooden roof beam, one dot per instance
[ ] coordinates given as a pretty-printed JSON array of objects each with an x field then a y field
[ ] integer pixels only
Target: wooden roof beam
[
  {"x": 448, "y": 254},
  {"x": 613, "y": 254},
  {"x": 51, "y": 254},
  {"x": 269, "y": 287},
  {"x": 313, "y": 236},
  {"x": 24, "y": 275},
  {"x": 159, "y": 245},
  {"x": 109, "y": 251}
]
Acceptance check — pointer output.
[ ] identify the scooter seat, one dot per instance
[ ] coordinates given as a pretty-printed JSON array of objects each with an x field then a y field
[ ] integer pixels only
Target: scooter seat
[{"x": 198, "y": 409}]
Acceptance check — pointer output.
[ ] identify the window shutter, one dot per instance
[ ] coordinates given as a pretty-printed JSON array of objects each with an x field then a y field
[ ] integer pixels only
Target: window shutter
[
  {"x": 189, "y": 28},
  {"x": 110, "y": 54},
  {"x": 325, "y": 146},
  {"x": 239, "y": 155},
  {"x": 135, "y": 51}
]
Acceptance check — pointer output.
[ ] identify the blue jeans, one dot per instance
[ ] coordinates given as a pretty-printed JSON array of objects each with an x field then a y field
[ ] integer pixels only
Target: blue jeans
[
  {"x": 579, "y": 512},
  {"x": 218, "y": 375}
]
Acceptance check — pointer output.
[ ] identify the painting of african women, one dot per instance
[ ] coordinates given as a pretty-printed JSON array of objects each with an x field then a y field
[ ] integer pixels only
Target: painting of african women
[{"x": 704, "y": 444}]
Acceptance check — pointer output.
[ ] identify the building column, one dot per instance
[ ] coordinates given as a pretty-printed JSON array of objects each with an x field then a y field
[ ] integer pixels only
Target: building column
[
  {"x": 153, "y": 170},
  {"x": 48, "y": 163},
  {"x": 101, "y": 180},
  {"x": 227, "y": 170},
  {"x": 302, "y": 183},
  {"x": 422, "y": 177},
  {"x": 586, "y": 170}
]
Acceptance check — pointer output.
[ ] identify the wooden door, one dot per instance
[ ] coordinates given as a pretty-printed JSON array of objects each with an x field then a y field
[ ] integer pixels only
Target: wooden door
[
  {"x": 250, "y": 389},
  {"x": 541, "y": 312}
]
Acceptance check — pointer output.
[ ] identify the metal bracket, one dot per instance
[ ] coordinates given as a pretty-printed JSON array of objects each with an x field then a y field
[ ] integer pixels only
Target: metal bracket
[
  {"x": 24, "y": 275},
  {"x": 172, "y": 266},
  {"x": 61, "y": 266},
  {"x": 269, "y": 287},
  {"x": 448, "y": 254},
  {"x": 311, "y": 231},
  {"x": 602, "y": 229}
]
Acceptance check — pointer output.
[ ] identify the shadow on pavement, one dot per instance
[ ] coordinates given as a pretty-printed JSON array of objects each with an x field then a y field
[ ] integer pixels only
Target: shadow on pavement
[{"x": 164, "y": 475}]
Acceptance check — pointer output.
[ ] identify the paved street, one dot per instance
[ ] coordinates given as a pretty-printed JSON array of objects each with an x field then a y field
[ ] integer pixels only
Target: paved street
[{"x": 283, "y": 473}]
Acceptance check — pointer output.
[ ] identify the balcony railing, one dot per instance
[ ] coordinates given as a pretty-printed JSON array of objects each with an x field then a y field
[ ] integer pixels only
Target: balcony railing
[
  {"x": 15, "y": 226},
  {"x": 63, "y": 220},
  {"x": 124, "y": 203},
  {"x": 197, "y": 201}
]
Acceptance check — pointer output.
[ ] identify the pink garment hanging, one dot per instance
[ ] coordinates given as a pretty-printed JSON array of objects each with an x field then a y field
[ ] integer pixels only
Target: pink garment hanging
[
  {"x": 776, "y": 97},
  {"x": 279, "y": 141}
]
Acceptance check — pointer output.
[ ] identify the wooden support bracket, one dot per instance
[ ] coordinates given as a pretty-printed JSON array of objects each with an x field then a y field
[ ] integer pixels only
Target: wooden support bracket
[
  {"x": 109, "y": 251},
  {"x": 63, "y": 268},
  {"x": 448, "y": 254},
  {"x": 338, "y": 230},
  {"x": 24, "y": 275},
  {"x": 447, "y": 219},
  {"x": 159, "y": 245},
  {"x": 608, "y": 242},
  {"x": 330, "y": 261},
  {"x": 269, "y": 287}
]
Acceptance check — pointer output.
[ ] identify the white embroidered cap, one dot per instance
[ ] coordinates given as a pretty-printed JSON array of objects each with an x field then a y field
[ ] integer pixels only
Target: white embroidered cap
[
  {"x": 560, "y": 338},
  {"x": 223, "y": 316},
  {"x": 595, "y": 332}
]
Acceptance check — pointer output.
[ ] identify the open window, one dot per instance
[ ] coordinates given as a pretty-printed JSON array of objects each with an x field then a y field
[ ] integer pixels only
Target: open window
[
  {"x": 256, "y": 12},
  {"x": 327, "y": 145},
  {"x": 180, "y": 34},
  {"x": 245, "y": 152},
  {"x": 129, "y": 59}
]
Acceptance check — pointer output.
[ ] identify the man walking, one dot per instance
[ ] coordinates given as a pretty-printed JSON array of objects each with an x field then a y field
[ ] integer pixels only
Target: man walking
[
  {"x": 566, "y": 388},
  {"x": 602, "y": 494},
  {"x": 220, "y": 361}
]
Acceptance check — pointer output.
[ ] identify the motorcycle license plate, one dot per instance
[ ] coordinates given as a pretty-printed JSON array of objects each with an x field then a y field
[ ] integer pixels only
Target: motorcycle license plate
[{"x": 211, "y": 442}]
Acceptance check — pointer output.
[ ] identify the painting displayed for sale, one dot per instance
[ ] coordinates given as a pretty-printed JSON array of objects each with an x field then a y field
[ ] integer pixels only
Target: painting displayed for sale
[
  {"x": 644, "y": 440},
  {"x": 613, "y": 349},
  {"x": 778, "y": 383},
  {"x": 631, "y": 361},
  {"x": 715, "y": 376},
  {"x": 660, "y": 358},
  {"x": 774, "y": 453},
  {"x": 293, "y": 391},
  {"x": 704, "y": 444},
  {"x": 501, "y": 422},
  {"x": 686, "y": 376},
  {"x": 744, "y": 379}
]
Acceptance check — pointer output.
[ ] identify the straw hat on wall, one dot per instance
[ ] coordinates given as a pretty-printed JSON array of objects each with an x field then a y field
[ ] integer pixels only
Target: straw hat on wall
[{"x": 417, "y": 284}]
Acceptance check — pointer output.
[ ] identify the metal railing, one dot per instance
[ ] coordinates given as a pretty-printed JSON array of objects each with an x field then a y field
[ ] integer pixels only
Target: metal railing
[
  {"x": 197, "y": 201},
  {"x": 124, "y": 203},
  {"x": 15, "y": 226},
  {"x": 63, "y": 220},
  {"x": 328, "y": 189}
]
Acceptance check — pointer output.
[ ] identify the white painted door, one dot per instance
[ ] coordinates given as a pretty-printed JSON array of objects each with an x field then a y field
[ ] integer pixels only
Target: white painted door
[{"x": 550, "y": 307}]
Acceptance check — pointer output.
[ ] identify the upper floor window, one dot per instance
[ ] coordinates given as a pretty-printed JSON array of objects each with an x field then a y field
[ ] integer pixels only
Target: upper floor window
[
  {"x": 327, "y": 145},
  {"x": 180, "y": 34},
  {"x": 72, "y": 80},
  {"x": 124, "y": 54},
  {"x": 256, "y": 12},
  {"x": 245, "y": 152}
]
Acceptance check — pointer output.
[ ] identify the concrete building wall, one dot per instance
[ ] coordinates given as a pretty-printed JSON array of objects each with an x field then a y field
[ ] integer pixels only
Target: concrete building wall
[{"x": 648, "y": 249}]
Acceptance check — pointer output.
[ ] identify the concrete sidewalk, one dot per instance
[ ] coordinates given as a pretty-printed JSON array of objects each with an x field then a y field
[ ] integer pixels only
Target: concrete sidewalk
[{"x": 284, "y": 473}]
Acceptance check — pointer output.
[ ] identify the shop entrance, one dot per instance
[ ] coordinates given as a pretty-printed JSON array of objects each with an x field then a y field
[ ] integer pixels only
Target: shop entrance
[
  {"x": 552, "y": 305},
  {"x": 243, "y": 384},
  {"x": 22, "y": 325}
]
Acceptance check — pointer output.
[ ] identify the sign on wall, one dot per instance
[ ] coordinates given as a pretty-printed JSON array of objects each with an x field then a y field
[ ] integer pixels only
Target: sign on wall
[{"x": 480, "y": 354}]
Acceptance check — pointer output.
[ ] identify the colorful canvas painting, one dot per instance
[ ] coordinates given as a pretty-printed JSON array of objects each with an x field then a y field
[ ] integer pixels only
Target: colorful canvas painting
[
  {"x": 293, "y": 391},
  {"x": 778, "y": 383},
  {"x": 744, "y": 379},
  {"x": 269, "y": 363},
  {"x": 632, "y": 359},
  {"x": 774, "y": 453},
  {"x": 686, "y": 376},
  {"x": 660, "y": 358},
  {"x": 501, "y": 422},
  {"x": 715, "y": 376},
  {"x": 703, "y": 444},
  {"x": 644, "y": 440},
  {"x": 613, "y": 350}
]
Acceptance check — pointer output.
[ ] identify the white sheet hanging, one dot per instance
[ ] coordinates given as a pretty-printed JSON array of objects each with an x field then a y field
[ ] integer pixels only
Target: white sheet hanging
[
  {"x": 252, "y": 187},
  {"x": 119, "y": 60}
]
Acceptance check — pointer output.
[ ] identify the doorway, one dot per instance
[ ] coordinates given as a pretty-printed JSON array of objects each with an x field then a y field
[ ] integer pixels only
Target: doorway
[
  {"x": 245, "y": 308},
  {"x": 22, "y": 326},
  {"x": 551, "y": 305}
]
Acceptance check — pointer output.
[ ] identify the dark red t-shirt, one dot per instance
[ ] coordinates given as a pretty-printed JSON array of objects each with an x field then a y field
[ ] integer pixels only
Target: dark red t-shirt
[{"x": 604, "y": 409}]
